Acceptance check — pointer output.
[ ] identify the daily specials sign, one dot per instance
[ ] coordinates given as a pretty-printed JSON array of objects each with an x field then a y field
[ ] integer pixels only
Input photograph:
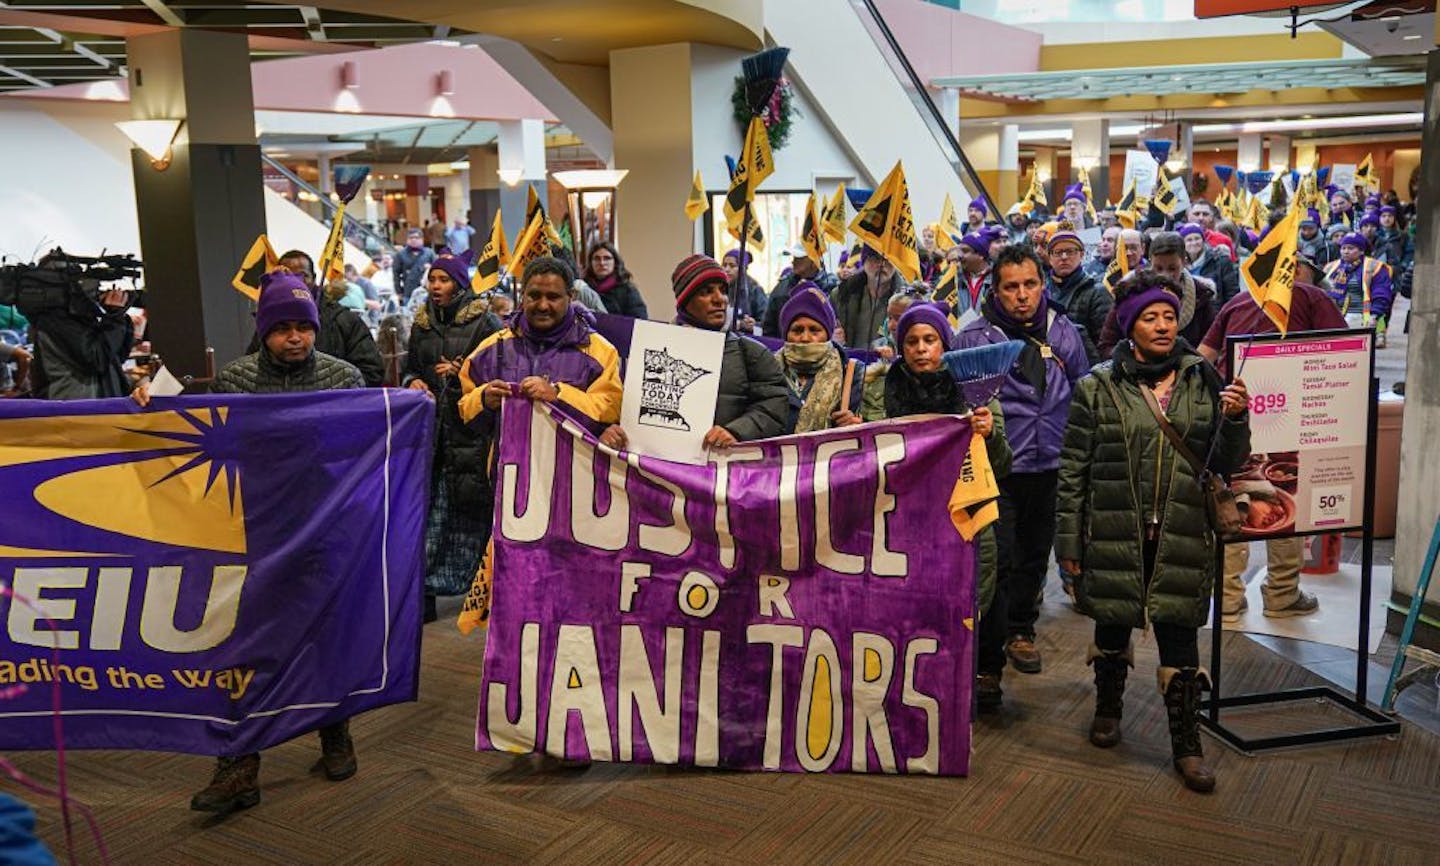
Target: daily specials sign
[
  {"x": 798, "y": 604},
  {"x": 215, "y": 575},
  {"x": 1309, "y": 419}
]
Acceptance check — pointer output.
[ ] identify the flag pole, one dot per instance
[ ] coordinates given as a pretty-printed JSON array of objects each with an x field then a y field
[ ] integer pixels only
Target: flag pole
[{"x": 740, "y": 269}]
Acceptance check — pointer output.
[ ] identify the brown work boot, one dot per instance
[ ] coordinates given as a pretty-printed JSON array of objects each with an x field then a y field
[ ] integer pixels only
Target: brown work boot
[
  {"x": 235, "y": 785},
  {"x": 1023, "y": 653},
  {"x": 988, "y": 694},
  {"x": 337, "y": 752},
  {"x": 1181, "y": 688},
  {"x": 1111, "y": 668}
]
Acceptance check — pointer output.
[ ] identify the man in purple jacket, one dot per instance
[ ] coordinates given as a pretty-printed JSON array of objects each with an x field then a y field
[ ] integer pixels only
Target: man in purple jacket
[{"x": 1036, "y": 403}]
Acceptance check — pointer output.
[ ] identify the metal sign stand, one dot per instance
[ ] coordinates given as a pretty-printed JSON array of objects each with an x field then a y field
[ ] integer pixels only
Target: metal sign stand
[{"x": 1373, "y": 722}]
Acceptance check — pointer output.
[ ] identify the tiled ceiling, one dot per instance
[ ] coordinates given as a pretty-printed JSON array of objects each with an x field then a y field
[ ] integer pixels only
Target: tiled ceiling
[
  {"x": 1219, "y": 79},
  {"x": 44, "y": 57}
]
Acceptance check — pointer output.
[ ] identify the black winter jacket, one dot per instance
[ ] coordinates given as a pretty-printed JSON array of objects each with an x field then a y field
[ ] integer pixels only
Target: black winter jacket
[
  {"x": 452, "y": 334},
  {"x": 624, "y": 300},
  {"x": 754, "y": 401},
  {"x": 260, "y": 373},
  {"x": 345, "y": 335},
  {"x": 1085, "y": 303},
  {"x": 81, "y": 358},
  {"x": 1218, "y": 268}
]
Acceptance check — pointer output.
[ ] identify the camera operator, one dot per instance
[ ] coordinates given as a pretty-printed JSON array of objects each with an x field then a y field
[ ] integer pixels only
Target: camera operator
[{"x": 81, "y": 349}]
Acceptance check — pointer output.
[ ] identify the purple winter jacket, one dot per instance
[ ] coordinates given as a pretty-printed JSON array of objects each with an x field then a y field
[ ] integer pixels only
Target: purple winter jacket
[{"x": 1034, "y": 427}]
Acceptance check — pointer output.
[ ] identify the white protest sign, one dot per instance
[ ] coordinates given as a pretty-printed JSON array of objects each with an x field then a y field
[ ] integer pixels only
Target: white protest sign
[
  {"x": 164, "y": 384},
  {"x": 1342, "y": 174},
  {"x": 1140, "y": 167},
  {"x": 672, "y": 380}
]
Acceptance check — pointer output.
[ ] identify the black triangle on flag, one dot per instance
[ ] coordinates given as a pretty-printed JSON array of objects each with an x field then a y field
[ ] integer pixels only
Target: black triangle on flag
[
  {"x": 252, "y": 274},
  {"x": 875, "y": 219},
  {"x": 1262, "y": 264}
]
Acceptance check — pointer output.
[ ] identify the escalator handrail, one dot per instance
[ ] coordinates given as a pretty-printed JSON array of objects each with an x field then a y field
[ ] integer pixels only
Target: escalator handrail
[
  {"x": 947, "y": 136},
  {"x": 328, "y": 203}
]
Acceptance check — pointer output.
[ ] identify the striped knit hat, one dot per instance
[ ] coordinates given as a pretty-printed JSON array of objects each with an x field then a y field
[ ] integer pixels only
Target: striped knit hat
[{"x": 692, "y": 273}]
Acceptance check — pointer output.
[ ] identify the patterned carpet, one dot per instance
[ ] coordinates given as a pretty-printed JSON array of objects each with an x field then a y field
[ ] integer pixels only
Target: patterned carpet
[{"x": 1039, "y": 793}]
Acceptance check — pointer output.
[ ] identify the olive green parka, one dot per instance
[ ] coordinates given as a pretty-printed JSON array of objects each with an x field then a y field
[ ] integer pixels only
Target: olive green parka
[{"x": 1118, "y": 471}]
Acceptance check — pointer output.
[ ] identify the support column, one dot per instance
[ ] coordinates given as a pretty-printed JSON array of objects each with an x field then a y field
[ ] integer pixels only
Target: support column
[
  {"x": 1304, "y": 156},
  {"x": 1250, "y": 152},
  {"x": 1090, "y": 151},
  {"x": 199, "y": 216},
  {"x": 652, "y": 116},
  {"x": 327, "y": 175},
  {"x": 1419, "y": 473},
  {"x": 994, "y": 151},
  {"x": 1279, "y": 154},
  {"x": 522, "y": 151},
  {"x": 1045, "y": 162},
  {"x": 947, "y": 99},
  {"x": 484, "y": 189}
]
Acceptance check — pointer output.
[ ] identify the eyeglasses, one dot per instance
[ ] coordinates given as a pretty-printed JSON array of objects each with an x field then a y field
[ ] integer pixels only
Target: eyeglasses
[{"x": 1066, "y": 253}]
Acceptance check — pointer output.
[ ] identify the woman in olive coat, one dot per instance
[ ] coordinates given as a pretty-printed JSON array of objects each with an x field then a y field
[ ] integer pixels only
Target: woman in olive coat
[{"x": 1132, "y": 533}]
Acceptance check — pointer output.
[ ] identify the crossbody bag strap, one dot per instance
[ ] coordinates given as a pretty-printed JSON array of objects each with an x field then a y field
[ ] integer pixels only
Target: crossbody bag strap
[{"x": 1170, "y": 432}]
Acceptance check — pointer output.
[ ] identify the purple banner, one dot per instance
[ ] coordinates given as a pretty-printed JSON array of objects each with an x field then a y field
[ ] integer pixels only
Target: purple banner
[
  {"x": 798, "y": 604},
  {"x": 223, "y": 573}
]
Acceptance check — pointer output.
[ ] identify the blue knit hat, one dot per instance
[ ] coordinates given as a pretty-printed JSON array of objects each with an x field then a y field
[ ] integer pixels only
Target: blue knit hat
[
  {"x": 284, "y": 297},
  {"x": 808, "y": 301}
]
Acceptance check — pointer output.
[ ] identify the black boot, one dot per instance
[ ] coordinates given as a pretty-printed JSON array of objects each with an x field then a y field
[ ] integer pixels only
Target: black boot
[
  {"x": 235, "y": 785},
  {"x": 1111, "y": 667},
  {"x": 337, "y": 752},
  {"x": 431, "y": 614},
  {"x": 1181, "y": 688}
]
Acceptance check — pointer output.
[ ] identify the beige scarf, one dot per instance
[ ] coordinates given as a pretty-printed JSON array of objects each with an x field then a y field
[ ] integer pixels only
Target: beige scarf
[{"x": 821, "y": 363}]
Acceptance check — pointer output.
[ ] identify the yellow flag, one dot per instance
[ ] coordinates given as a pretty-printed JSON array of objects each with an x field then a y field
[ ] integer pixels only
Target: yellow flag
[
  {"x": 259, "y": 261},
  {"x": 1165, "y": 198},
  {"x": 885, "y": 224},
  {"x": 533, "y": 206},
  {"x": 1366, "y": 176},
  {"x": 494, "y": 257},
  {"x": 531, "y": 245},
  {"x": 810, "y": 233},
  {"x": 332, "y": 256},
  {"x": 756, "y": 238},
  {"x": 1125, "y": 210},
  {"x": 1089, "y": 196},
  {"x": 755, "y": 165},
  {"x": 1269, "y": 273},
  {"x": 833, "y": 218},
  {"x": 949, "y": 283},
  {"x": 1034, "y": 196},
  {"x": 1255, "y": 214},
  {"x": 1118, "y": 267},
  {"x": 949, "y": 221},
  {"x": 696, "y": 203},
  {"x": 973, "y": 499}
]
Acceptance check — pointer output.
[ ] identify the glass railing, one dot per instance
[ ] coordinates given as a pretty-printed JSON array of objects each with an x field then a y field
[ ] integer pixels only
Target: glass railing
[{"x": 374, "y": 240}]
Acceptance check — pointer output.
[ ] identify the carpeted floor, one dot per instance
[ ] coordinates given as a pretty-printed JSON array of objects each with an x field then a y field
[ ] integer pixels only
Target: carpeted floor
[{"x": 1039, "y": 793}]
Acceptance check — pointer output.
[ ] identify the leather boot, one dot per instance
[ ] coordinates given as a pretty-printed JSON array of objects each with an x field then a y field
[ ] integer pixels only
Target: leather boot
[
  {"x": 235, "y": 785},
  {"x": 1111, "y": 667},
  {"x": 988, "y": 694},
  {"x": 1181, "y": 688},
  {"x": 337, "y": 752}
]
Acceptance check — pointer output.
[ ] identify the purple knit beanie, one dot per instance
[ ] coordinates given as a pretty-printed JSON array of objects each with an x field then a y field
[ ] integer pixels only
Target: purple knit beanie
[
  {"x": 284, "y": 297},
  {"x": 808, "y": 301},
  {"x": 926, "y": 313}
]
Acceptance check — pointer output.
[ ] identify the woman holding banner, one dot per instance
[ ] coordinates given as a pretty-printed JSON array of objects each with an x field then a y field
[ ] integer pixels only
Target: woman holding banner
[
  {"x": 1132, "y": 529},
  {"x": 824, "y": 389},
  {"x": 449, "y": 326},
  {"x": 920, "y": 384}
]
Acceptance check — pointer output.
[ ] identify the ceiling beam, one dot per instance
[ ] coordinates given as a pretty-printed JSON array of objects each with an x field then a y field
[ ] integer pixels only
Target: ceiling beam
[
  {"x": 413, "y": 144},
  {"x": 15, "y": 73},
  {"x": 314, "y": 23},
  {"x": 164, "y": 12}
]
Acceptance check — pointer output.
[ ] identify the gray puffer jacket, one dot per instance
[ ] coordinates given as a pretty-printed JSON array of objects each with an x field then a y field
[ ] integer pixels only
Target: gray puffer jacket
[{"x": 261, "y": 373}]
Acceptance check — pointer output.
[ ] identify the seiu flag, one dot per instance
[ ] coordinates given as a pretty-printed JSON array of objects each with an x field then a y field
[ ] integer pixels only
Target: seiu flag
[
  {"x": 798, "y": 604},
  {"x": 222, "y": 573}
]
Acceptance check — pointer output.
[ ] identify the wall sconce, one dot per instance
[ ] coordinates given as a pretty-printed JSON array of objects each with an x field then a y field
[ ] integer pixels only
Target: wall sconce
[
  {"x": 510, "y": 176},
  {"x": 445, "y": 83},
  {"x": 349, "y": 75},
  {"x": 155, "y": 137},
  {"x": 591, "y": 195}
]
